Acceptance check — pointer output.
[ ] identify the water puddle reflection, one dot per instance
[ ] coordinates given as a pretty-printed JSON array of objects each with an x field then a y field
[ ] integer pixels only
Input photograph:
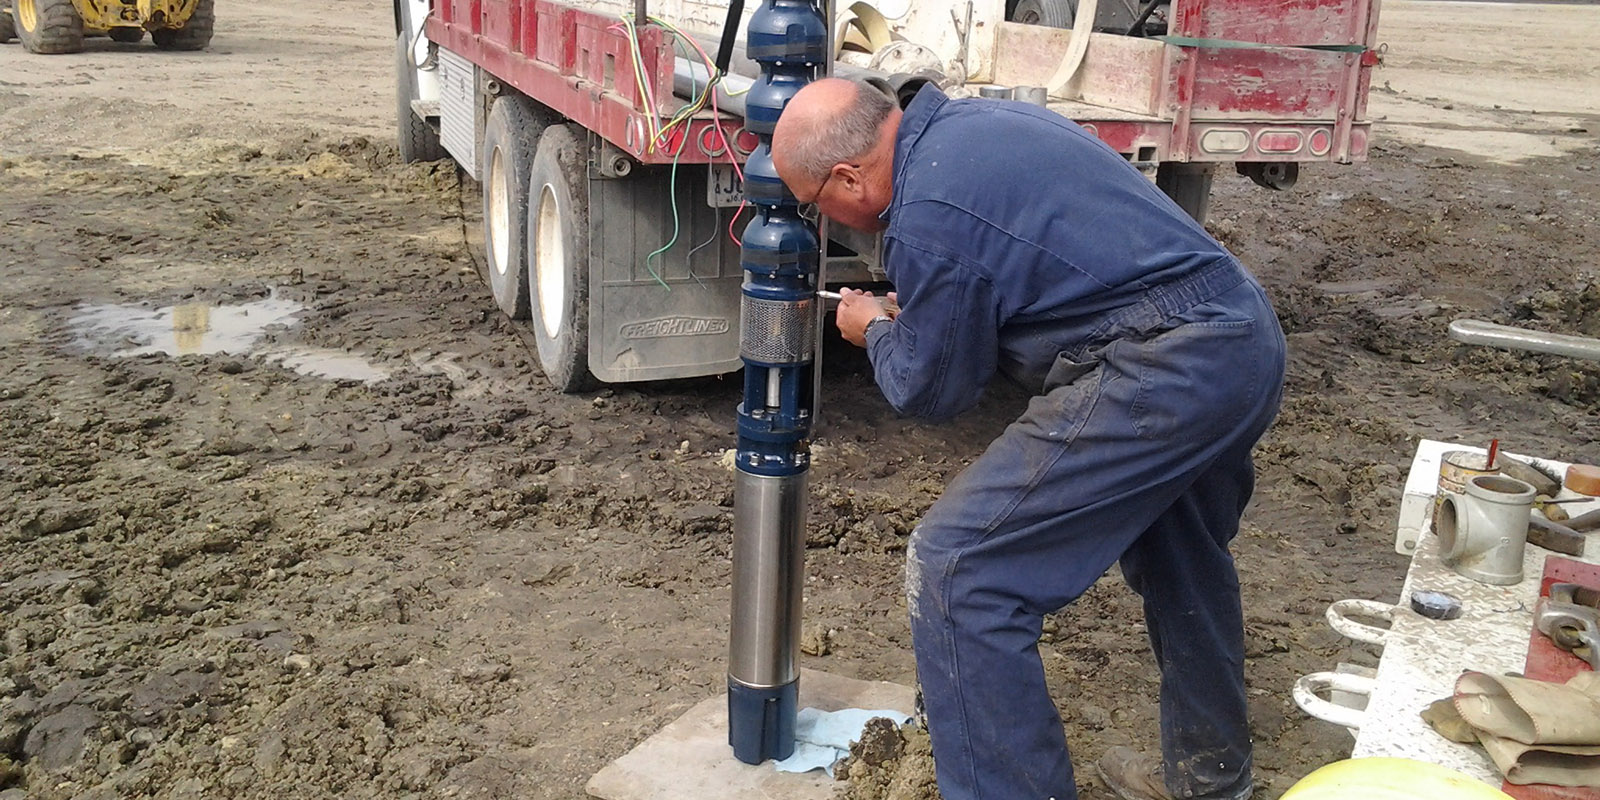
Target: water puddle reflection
[{"x": 209, "y": 329}]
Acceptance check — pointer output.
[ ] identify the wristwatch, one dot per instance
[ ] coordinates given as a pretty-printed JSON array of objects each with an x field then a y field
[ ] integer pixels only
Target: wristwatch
[{"x": 867, "y": 331}]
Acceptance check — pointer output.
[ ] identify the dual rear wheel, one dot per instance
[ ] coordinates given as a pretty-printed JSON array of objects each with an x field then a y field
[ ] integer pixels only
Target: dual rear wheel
[{"x": 536, "y": 224}]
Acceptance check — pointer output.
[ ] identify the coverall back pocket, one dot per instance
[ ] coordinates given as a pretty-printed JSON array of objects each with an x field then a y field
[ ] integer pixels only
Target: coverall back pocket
[
  {"x": 1197, "y": 381},
  {"x": 1069, "y": 394}
]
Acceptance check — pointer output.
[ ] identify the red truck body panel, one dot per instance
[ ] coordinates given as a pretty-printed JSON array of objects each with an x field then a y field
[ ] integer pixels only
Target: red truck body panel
[
  {"x": 1242, "y": 80},
  {"x": 579, "y": 63}
]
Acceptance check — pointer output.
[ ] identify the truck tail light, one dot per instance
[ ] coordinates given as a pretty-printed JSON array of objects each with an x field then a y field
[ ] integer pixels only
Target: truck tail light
[
  {"x": 1279, "y": 141},
  {"x": 1225, "y": 141},
  {"x": 1321, "y": 142}
]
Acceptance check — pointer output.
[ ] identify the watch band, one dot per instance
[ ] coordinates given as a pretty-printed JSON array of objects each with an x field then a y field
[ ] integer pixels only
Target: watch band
[{"x": 867, "y": 331}]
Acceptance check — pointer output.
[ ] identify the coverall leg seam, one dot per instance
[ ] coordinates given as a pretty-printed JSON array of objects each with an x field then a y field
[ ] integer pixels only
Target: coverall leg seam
[{"x": 955, "y": 670}]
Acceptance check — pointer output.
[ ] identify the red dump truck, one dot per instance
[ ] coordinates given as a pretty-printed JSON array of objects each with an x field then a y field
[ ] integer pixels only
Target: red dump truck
[{"x": 610, "y": 171}]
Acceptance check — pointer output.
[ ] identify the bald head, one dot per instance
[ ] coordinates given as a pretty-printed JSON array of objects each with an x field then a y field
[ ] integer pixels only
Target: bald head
[
  {"x": 828, "y": 122},
  {"x": 834, "y": 146}
]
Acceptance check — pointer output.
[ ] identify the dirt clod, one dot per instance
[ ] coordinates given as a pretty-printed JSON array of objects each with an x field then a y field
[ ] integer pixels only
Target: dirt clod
[{"x": 890, "y": 762}]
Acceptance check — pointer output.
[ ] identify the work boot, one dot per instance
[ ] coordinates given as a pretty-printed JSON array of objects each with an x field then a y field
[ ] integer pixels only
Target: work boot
[{"x": 1133, "y": 775}]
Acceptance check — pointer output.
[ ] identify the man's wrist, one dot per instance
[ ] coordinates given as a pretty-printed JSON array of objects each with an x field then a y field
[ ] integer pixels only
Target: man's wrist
[{"x": 866, "y": 333}]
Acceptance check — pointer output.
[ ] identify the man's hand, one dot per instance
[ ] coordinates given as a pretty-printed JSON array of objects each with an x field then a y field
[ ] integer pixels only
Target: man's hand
[{"x": 858, "y": 308}]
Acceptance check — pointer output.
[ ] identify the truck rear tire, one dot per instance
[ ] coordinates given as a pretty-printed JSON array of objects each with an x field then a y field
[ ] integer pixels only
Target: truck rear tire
[
  {"x": 194, "y": 35},
  {"x": 1189, "y": 185},
  {"x": 48, "y": 27},
  {"x": 558, "y": 257},
  {"x": 8, "y": 31},
  {"x": 418, "y": 140},
  {"x": 509, "y": 139}
]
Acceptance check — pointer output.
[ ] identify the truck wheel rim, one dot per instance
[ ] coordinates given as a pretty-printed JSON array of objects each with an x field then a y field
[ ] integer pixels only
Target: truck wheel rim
[
  {"x": 550, "y": 263},
  {"x": 27, "y": 15},
  {"x": 499, "y": 214}
]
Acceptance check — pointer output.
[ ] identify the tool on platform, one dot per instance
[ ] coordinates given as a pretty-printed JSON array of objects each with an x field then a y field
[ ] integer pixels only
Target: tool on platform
[{"x": 1570, "y": 616}]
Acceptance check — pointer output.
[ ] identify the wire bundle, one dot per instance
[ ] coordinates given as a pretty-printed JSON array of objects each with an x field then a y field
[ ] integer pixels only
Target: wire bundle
[{"x": 660, "y": 135}]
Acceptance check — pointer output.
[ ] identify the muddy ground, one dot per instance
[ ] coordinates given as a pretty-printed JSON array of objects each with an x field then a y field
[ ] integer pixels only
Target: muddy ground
[{"x": 221, "y": 577}]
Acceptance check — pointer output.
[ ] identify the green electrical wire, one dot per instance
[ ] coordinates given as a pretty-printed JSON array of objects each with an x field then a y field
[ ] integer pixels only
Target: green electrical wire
[{"x": 674, "y": 240}]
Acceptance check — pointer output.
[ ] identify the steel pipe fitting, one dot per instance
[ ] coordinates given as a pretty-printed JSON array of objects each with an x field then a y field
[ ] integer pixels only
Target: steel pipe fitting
[
  {"x": 1482, "y": 534},
  {"x": 1036, "y": 95}
]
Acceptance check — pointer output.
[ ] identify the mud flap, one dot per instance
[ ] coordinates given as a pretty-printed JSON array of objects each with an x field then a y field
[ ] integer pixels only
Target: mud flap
[{"x": 671, "y": 316}]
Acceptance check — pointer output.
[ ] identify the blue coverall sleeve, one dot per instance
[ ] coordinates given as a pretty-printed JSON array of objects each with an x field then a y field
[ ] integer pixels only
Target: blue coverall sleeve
[{"x": 937, "y": 356}]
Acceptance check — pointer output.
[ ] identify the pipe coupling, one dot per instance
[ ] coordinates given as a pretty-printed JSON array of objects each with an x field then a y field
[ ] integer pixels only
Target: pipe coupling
[{"x": 1482, "y": 534}]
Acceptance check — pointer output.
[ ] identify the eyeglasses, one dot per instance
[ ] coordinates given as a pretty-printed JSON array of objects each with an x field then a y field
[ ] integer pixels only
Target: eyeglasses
[{"x": 816, "y": 196}]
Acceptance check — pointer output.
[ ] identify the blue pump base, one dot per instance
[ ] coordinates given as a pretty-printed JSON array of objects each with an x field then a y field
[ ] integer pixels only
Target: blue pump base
[{"x": 761, "y": 721}]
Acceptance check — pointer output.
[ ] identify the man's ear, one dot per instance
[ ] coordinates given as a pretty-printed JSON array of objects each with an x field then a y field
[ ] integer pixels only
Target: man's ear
[{"x": 849, "y": 177}]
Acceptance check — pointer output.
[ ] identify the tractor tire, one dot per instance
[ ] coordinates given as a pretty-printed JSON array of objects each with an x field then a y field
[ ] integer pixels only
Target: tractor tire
[
  {"x": 558, "y": 257},
  {"x": 194, "y": 35},
  {"x": 48, "y": 27},
  {"x": 509, "y": 138},
  {"x": 1049, "y": 13},
  {"x": 126, "y": 35},
  {"x": 8, "y": 30},
  {"x": 418, "y": 140}
]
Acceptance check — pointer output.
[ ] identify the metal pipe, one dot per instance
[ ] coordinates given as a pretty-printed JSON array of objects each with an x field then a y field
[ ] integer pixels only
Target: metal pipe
[
  {"x": 824, "y": 231},
  {"x": 1474, "y": 331},
  {"x": 769, "y": 516},
  {"x": 689, "y": 79}
]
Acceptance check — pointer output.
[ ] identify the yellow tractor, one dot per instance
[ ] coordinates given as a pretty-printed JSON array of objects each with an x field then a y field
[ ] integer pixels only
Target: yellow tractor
[{"x": 59, "y": 26}]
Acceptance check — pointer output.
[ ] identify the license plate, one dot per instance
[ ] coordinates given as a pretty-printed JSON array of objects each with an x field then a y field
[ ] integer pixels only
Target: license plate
[{"x": 723, "y": 188}]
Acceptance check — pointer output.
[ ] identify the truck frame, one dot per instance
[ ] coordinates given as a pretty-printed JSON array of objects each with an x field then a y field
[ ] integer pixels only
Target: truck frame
[{"x": 614, "y": 233}]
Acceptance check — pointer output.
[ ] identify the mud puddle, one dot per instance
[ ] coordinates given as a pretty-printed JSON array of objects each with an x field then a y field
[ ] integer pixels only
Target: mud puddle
[{"x": 121, "y": 330}]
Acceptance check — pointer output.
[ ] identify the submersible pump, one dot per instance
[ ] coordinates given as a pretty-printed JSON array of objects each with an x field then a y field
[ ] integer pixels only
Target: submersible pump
[{"x": 779, "y": 255}]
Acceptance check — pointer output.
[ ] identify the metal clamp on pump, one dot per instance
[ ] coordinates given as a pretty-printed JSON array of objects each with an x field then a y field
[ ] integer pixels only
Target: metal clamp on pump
[{"x": 780, "y": 252}]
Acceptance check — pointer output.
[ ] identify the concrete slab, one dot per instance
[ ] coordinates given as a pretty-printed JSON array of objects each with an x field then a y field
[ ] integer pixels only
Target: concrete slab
[{"x": 690, "y": 758}]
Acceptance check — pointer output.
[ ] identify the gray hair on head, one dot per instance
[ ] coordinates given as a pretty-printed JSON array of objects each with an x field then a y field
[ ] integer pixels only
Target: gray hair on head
[{"x": 841, "y": 137}]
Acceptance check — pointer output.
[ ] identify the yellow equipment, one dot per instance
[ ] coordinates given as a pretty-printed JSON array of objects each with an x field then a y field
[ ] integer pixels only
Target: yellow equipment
[
  {"x": 59, "y": 26},
  {"x": 1390, "y": 779}
]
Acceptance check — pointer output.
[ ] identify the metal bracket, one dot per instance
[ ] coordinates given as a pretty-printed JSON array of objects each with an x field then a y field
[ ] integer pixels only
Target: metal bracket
[{"x": 611, "y": 161}]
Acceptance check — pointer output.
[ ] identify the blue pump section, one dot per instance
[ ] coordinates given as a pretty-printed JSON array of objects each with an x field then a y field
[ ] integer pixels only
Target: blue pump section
[
  {"x": 780, "y": 256},
  {"x": 779, "y": 245},
  {"x": 768, "y": 716},
  {"x": 762, "y": 186},
  {"x": 770, "y": 93},
  {"x": 786, "y": 32}
]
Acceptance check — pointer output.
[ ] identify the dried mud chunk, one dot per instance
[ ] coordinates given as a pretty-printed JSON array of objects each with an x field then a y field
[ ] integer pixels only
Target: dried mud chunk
[
  {"x": 818, "y": 642},
  {"x": 890, "y": 763},
  {"x": 880, "y": 743},
  {"x": 57, "y": 742},
  {"x": 53, "y": 520}
]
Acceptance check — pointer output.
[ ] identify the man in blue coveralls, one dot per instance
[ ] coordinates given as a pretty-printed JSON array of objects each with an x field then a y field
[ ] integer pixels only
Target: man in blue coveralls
[{"x": 1019, "y": 243}]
